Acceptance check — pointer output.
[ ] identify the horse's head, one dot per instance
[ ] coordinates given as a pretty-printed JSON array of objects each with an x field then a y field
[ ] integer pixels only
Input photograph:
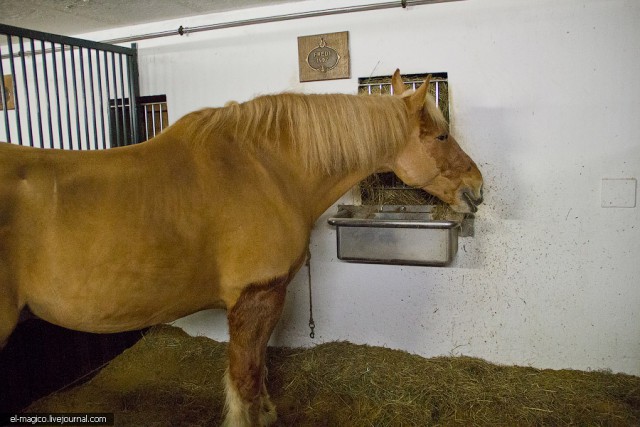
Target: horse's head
[{"x": 432, "y": 159}]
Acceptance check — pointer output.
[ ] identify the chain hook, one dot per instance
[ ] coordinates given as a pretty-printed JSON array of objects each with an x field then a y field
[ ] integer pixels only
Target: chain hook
[{"x": 312, "y": 324}]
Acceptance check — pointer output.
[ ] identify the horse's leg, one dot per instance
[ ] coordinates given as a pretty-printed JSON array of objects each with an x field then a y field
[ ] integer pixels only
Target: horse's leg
[{"x": 251, "y": 322}]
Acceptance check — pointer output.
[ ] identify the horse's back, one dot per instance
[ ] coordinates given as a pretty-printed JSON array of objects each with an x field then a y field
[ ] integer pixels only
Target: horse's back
[{"x": 123, "y": 238}]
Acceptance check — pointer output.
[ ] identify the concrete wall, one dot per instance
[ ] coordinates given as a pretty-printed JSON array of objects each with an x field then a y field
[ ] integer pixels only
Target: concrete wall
[{"x": 544, "y": 95}]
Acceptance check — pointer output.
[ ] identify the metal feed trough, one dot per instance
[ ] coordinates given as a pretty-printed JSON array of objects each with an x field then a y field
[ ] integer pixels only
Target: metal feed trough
[{"x": 391, "y": 234}]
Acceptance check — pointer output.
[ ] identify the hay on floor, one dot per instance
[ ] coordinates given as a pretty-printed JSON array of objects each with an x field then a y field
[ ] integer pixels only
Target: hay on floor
[{"x": 171, "y": 379}]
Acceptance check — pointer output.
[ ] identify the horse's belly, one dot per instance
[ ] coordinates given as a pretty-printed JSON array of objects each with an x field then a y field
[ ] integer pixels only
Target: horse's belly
[{"x": 106, "y": 305}]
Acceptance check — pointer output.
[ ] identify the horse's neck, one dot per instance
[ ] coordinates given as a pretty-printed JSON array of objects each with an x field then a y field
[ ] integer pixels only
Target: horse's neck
[
  {"x": 312, "y": 191},
  {"x": 327, "y": 190}
]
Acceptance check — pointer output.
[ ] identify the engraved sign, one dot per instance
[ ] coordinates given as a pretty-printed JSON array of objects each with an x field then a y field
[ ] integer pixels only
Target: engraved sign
[{"x": 324, "y": 56}]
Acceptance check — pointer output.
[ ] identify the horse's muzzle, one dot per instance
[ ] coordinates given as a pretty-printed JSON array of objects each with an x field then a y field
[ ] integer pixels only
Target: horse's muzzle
[{"x": 472, "y": 201}]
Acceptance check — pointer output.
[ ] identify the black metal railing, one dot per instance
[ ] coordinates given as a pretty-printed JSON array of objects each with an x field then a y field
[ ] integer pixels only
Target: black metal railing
[{"x": 61, "y": 92}]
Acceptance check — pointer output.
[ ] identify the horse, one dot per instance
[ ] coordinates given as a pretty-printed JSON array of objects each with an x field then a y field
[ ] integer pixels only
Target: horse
[{"x": 214, "y": 212}]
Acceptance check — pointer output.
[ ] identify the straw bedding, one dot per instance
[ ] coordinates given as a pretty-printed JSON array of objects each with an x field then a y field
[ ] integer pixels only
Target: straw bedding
[{"x": 171, "y": 379}]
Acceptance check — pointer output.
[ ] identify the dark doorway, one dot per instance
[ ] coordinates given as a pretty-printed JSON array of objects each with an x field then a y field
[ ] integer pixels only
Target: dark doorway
[{"x": 41, "y": 358}]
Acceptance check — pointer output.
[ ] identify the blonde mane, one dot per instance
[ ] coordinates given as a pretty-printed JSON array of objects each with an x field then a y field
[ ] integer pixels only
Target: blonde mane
[
  {"x": 328, "y": 133},
  {"x": 435, "y": 114},
  {"x": 438, "y": 120}
]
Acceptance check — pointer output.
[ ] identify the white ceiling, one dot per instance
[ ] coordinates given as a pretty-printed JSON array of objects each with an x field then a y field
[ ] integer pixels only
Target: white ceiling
[{"x": 71, "y": 17}]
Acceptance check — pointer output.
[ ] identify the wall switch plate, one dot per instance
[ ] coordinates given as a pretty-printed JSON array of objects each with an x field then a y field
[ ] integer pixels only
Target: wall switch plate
[{"x": 618, "y": 192}]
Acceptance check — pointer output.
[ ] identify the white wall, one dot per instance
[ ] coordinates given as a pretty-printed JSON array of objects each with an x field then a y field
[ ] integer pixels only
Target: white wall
[{"x": 544, "y": 95}]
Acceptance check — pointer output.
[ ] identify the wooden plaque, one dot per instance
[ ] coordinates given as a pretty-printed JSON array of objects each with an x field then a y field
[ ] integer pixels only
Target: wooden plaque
[
  {"x": 8, "y": 87},
  {"x": 324, "y": 57}
]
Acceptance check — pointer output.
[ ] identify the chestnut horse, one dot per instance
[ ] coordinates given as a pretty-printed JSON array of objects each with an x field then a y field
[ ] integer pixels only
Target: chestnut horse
[{"x": 215, "y": 212}]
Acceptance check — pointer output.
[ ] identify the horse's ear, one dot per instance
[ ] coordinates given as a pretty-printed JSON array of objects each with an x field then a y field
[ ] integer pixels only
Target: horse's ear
[
  {"x": 396, "y": 83},
  {"x": 417, "y": 99}
]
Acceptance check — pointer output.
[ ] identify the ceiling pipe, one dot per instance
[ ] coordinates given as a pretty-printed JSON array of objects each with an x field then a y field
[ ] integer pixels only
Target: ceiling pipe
[{"x": 277, "y": 18}]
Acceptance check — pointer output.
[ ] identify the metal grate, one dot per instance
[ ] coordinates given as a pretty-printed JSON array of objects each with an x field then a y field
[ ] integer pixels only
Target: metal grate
[
  {"x": 439, "y": 87},
  {"x": 154, "y": 115},
  {"x": 387, "y": 188},
  {"x": 58, "y": 92}
]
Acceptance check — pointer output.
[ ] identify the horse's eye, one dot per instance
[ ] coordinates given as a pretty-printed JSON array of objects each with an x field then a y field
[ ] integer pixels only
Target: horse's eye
[{"x": 443, "y": 137}]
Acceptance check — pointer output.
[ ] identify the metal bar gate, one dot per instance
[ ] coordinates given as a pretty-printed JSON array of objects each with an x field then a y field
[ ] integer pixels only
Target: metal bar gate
[{"x": 64, "y": 92}]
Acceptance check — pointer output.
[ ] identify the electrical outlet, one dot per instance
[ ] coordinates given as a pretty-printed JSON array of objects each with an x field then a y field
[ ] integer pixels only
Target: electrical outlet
[{"x": 9, "y": 93}]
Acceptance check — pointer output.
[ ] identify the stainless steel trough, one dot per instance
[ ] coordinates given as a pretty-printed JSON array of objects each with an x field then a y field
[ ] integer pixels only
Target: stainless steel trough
[{"x": 407, "y": 235}]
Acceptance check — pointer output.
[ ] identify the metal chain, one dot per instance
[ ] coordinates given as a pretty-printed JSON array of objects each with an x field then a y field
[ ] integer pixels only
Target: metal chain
[{"x": 312, "y": 324}]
